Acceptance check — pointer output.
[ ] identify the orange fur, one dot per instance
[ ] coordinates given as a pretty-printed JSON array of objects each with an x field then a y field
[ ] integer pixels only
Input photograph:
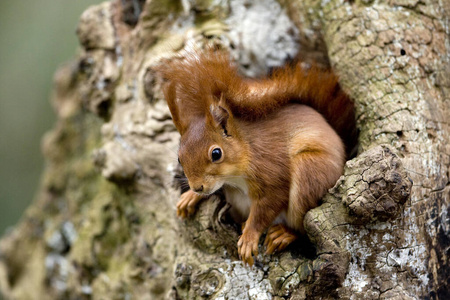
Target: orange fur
[
  {"x": 213, "y": 74},
  {"x": 278, "y": 158}
]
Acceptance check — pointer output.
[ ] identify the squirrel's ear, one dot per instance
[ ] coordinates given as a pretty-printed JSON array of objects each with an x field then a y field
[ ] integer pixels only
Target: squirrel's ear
[
  {"x": 220, "y": 115},
  {"x": 170, "y": 94}
]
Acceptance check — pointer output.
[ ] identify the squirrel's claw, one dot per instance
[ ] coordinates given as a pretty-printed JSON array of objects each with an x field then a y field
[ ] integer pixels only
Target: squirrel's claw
[{"x": 187, "y": 204}]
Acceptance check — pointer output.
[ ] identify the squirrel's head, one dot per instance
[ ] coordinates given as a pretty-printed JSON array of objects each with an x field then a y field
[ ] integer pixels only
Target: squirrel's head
[{"x": 211, "y": 150}]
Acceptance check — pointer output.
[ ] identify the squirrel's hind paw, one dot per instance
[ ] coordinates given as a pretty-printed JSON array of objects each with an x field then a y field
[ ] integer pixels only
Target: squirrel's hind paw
[{"x": 278, "y": 237}]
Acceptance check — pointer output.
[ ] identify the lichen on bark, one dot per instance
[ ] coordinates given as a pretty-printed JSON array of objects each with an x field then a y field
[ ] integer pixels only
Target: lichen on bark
[{"x": 103, "y": 224}]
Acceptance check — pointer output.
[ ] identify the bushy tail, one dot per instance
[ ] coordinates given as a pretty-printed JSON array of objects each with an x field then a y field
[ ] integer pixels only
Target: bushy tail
[{"x": 311, "y": 86}]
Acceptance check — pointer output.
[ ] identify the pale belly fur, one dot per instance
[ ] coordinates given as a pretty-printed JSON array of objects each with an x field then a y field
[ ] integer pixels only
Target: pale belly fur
[{"x": 236, "y": 194}]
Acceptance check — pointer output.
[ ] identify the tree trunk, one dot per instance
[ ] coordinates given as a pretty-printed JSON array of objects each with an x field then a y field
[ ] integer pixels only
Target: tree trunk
[{"x": 103, "y": 225}]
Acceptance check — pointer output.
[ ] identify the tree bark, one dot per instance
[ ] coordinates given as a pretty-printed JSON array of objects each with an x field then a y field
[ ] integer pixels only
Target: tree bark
[{"x": 103, "y": 225}]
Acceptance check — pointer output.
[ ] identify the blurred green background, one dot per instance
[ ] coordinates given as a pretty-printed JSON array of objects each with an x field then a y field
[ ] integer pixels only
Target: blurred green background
[{"x": 35, "y": 37}]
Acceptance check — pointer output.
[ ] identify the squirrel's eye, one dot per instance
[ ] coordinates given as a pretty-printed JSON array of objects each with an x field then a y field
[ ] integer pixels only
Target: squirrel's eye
[{"x": 216, "y": 154}]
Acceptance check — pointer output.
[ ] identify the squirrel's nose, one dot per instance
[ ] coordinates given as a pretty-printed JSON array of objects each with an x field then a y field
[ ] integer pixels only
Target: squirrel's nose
[{"x": 198, "y": 189}]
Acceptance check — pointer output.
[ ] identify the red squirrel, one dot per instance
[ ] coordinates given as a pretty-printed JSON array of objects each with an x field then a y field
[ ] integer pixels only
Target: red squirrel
[{"x": 263, "y": 141}]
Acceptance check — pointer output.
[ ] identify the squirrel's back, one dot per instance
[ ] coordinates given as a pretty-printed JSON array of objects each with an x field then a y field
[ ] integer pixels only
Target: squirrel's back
[{"x": 285, "y": 134}]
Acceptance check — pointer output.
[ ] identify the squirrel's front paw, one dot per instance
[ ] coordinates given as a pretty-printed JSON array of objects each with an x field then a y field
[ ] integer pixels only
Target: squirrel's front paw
[
  {"x": 248, "y": 246},
  {"x": 187, "y": 204}
]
